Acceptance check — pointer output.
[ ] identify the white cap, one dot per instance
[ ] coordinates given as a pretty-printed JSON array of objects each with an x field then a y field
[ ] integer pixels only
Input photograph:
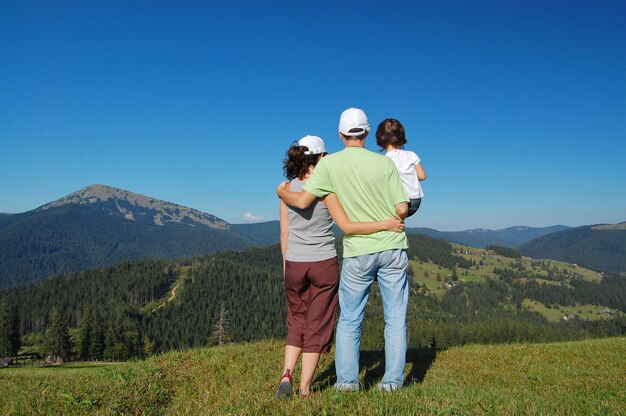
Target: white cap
[
  {"x": 353, "y": 118},
  {"x": 314, "y": 144}
]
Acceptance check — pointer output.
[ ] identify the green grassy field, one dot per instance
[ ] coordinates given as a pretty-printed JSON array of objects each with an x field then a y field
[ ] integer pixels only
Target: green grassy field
[
  {"x": 557, "y": 313},
  {"x": 583, "y": 377},
  {"x": 438, "y": 280}
]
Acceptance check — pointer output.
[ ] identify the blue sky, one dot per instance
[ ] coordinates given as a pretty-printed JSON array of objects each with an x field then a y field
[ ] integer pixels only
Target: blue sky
[{"x": 517, "y": 108}]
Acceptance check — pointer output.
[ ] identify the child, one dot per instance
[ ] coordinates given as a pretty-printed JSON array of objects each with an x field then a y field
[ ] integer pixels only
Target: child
[{"x": 390, "y": 137}]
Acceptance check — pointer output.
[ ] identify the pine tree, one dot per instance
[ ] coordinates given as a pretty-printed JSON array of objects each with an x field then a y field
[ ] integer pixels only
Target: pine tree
[
  {"x": 147, "y": 347},
  {"x": 114, "y": 346},
  {"x": 58, "y": 338},
  {"x": 110, "y": 339},
  {"x": 14, "y": 333},
  {"x": 221, "y": 328},
  {"x": 5, "y": 331},
  {"x": 85, "y": 335},
  {"x": 96, "y": 346}
]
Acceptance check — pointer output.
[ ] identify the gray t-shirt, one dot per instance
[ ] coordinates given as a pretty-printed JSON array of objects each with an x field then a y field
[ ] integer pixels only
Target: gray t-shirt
[{"x": 310, "y": 231}]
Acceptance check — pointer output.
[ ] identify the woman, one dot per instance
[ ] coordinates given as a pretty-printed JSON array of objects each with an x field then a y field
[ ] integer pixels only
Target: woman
[{"x": 311, "y": 272}]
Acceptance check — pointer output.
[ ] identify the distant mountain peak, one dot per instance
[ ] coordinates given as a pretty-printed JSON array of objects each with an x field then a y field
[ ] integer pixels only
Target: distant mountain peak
[
  {"x": 517, "y": 228},
  {"x": 478, "y": 230},
  {"x": 137, "y": 207}
]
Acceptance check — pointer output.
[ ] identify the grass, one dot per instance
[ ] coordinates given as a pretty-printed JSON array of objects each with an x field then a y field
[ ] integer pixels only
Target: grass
[
  {"x": 583, "y": 377},
  {"x": 434, "y": 277},
  {"x": 113, "y": 388},
  {"x": 425, "y": 274},
  {"x": 587, "y": 312},
  {"x": 491, "y": 260},
  {"x": 620, "y": 226}
]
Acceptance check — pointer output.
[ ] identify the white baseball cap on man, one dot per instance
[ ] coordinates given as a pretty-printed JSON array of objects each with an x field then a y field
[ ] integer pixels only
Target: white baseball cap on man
[
  {"x": 314, "y": 144},
  {"x": 353, "y": 118}
]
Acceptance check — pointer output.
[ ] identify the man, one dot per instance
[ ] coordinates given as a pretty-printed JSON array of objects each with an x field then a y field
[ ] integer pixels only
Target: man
[{"x": 370, "y": 189}]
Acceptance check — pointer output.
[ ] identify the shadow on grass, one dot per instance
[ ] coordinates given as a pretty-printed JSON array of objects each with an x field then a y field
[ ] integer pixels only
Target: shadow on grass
[{"x": 419, "y": 360}]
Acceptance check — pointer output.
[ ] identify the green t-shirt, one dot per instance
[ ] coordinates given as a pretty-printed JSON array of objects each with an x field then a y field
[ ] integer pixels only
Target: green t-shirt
[{"x": 369, "y": 187}]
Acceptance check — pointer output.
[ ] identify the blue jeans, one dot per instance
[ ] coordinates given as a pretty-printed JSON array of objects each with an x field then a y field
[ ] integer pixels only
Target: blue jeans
[{"x": 357, "y": 275}]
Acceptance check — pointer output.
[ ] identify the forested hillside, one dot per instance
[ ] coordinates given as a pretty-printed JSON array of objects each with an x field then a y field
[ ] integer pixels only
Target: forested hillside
[
  {"x": 458, "y": 295},
  {"x": 101, "y": 226},
  {"x": 599, "y": 248},
  {"x": 70, "y": 238}
]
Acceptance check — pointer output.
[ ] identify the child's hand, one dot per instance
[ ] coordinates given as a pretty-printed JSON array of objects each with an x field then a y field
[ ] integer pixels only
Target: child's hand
[{"x": 394, "y": 224}]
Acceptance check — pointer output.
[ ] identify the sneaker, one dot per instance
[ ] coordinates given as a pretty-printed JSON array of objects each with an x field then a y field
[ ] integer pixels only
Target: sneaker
[
  {"x": 387, "y": 387},
  {"x": 284, "y": 388},
  {"x": 346, "y": 387}
]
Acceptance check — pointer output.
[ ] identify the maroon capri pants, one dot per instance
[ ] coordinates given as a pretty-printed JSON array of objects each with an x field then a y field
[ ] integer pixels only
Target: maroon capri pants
[{"x": 311, "y": 289}]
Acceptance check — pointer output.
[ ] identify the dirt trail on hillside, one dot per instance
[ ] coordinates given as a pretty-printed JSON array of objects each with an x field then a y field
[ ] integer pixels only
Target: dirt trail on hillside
[{"x": 171, "y": 298}]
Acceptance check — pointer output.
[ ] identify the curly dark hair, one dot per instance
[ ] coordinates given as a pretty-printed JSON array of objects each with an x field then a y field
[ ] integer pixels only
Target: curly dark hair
[
  {"x": 390, "y": 132},
  {"x": 297, "y": 164}
]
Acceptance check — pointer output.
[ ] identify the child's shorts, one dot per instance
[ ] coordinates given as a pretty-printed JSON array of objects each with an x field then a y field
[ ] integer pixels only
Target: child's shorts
[{"x": 414, "y": 205}]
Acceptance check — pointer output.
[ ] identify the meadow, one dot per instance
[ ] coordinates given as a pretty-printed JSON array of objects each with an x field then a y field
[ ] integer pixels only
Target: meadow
[{"x": 576, "y": 377}]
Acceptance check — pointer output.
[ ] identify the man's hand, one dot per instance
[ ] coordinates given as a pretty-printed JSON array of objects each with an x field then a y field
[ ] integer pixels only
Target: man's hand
[
  {"x": 300, "y": 200},
  {"x": 281, "y": 188}
]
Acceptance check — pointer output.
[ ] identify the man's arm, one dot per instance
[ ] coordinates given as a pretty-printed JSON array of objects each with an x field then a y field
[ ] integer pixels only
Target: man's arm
[
  {"x": 301, "y": 200},
  {"x": 341, "y": 219}
]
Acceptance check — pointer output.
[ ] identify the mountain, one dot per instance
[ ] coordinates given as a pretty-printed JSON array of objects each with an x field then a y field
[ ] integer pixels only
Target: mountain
[
  {"x": 599, "y": 247},
  {"x": 264, "y": 233},
  {"x": 136, "y": 207},
  {"x": 269, "y": 233},
  {"x": 481, "y": 238},
  {"x": 101, "y": 225}
]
